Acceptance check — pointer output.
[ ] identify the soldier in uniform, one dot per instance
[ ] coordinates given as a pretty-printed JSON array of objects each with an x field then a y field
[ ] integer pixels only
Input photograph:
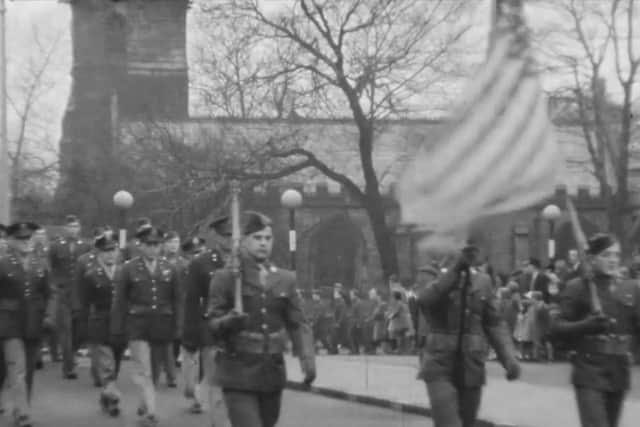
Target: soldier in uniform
[
  {"x": 200, "y": 347},
  {"x": 598, "y": 315},
  {"x": 132, "y": 249},
  {"x": 461, "y": 310},
  {"x": 26, "y": 309},
  {"x": 250, "y": 368},
  {"x": 94, "y": 292},
  {"x": 165, "y": 359},
  {"x": 63, "y": 257},
  {"x": 146, "y": 310}
]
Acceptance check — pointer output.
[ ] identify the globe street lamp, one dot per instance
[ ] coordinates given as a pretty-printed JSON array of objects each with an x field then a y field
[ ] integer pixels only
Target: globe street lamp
[
  {"x": 292, "y": 199},
  {"x": 551, "y": 213},
  {"x": 123, "y": 200}
]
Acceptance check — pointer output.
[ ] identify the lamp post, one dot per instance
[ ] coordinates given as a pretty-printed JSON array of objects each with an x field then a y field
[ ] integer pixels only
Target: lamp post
[
  {"x": 5, "y": 186},
  {"x": 292, "y": 199},
  {"x": 123, "y": 200},
  {"x": 551, "y": 213}
]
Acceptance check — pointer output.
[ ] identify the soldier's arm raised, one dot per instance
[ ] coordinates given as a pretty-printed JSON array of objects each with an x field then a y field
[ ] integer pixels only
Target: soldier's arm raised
[
  {"x": 434, "y": 293},
  {"x": 300, "y": 332}
]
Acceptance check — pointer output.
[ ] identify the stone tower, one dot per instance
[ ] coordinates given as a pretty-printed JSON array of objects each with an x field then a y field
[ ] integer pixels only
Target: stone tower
[{"x": 129, "y": 64}]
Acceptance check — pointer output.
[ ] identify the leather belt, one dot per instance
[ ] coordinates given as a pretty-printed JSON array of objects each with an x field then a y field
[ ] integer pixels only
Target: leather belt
[
  {"x": 606, "y": 344},
  {"x": 258, "y": 343},
  {"x": 449, "y": 341}
]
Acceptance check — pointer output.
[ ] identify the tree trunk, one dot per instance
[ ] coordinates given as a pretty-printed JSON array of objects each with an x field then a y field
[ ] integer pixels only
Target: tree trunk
[{"x": 382, "y": 234}]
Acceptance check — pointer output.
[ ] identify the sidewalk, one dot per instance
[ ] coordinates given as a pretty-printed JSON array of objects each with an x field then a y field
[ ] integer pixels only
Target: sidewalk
[{"x": 390, "y": 381}]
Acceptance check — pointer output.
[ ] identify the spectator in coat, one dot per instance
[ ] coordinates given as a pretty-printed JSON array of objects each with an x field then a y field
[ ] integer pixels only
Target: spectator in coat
[
  {"x": 400, "y": 327},
  {"x": 537, "y": 279}
]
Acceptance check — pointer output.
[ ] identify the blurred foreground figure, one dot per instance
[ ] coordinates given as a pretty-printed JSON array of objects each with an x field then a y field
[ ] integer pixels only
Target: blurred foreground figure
[{"x": 460, "y": 309}]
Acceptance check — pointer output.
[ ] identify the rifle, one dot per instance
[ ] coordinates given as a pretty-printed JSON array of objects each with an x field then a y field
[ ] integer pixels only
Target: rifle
[{"x": 235, "y": 245}]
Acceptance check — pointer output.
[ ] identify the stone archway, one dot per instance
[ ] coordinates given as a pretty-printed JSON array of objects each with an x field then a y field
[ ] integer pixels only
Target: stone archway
[
  {"x": 336, "y": 253},
  {"x": 565, "y": 239}
]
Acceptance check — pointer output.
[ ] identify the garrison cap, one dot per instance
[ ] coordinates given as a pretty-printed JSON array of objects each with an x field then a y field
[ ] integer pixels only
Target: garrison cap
[
  {"x": 254, "y": 222},
  {"x": 22, "y": 230},
  {"x": 71, "y": 220},
  {"x": 104, "y": 239},
  {"x": 193, "y": 244},
  {"x": 599, "y": 242},
  {"x": 171, "y": 235},
  {"x": 142, "y": 223},
  {"x": 150, "y": 234},
  {"x": 221, "y": 226}
]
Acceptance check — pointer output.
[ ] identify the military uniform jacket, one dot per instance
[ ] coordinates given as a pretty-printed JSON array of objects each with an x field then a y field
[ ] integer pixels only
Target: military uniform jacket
[
  {"x": 198, "y": 278},
  {"x": 252, "y": 360},
  {"x": 440, "y": 304},
  {"x": 146, "y": 305},
  {"x": 95, "y": 291},
  {"x": 620, "y": 303},
  {"x": 63, "y": 261},
  {"x": 25, "y": 297}
]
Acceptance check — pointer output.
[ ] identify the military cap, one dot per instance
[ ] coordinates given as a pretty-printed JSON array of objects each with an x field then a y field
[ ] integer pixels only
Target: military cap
[
  {"x": 22, "y": 230},
  {"x": 254, "y": 222},
  {"x": 192, "y": 244},
  {"x": 105, "y": 241},
  {"x": 71, "y": 220},
  {"x": 599, "y": 242},
  {"x": 142, "y": 223},
  {"x": 171, "y": 235},
  {"x": 429, "y": 269},
  {"x": 221, "y": 226},
  {"x": 150, "y": 235}
]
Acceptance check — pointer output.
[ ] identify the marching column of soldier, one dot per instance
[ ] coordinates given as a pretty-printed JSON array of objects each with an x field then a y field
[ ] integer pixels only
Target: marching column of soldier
[{"x": 232, "y": 338}]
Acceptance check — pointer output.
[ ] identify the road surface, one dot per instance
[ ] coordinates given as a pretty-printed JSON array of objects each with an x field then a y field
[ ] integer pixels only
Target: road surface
[{"x": 62, "y": 403}]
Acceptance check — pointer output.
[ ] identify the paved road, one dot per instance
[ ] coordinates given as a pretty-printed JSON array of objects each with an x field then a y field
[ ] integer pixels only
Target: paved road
[{"x": 61, "y": 403}]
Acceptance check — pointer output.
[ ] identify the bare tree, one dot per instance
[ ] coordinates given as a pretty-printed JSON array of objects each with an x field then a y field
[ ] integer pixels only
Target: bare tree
[
  {"x": 32, "y": 150},
  {"x": 367, "y": 59},
  {"x": 592, "y": 33}
]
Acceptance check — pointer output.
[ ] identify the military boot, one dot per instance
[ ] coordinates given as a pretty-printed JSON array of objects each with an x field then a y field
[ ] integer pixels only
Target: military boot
[
  {"x": 109, "y": 404},
  {"x": 149, "y": 420}
]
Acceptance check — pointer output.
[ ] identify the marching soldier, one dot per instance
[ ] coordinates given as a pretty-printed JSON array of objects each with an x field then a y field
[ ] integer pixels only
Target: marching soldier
[
  {"x": 197, "y": 341},
  {"x": 94, "y": 292},
  {"x": 63, "y": 257},
  {"x": 251, "y": 367},
  {"x": 165, "y": 359},
  {"x": 26, "y": 308},
  {"x": 461, "y": 309},
  {"x": 146, "y": 309},
  {"x": 598, "y": 315}
]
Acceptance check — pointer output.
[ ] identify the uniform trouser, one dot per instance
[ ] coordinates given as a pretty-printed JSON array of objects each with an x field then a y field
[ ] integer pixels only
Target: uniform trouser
[
  {"x": 218, "y": 412},
  {"x": 3, "y": 377},
  {"x": 141, "y": 373},
  {"x": 249, "y": 409},
  {"x": 19, "y": 360},
  {"x": 599, "y": 408},
  {"x": 162, "y": 359},
  {"x": 66, "y": 338},
  {"x": 106, "y": 367},
  {"x": 191, "y": 374},
  {"x": 453, "y": 406}
]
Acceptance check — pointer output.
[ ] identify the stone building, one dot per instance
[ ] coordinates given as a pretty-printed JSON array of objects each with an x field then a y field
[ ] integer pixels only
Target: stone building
[{"x": 130, "y": 68}]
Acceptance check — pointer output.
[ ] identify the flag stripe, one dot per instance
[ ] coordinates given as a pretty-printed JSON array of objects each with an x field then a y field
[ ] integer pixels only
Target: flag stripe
[
  {"x": 501, "y": 138},
  {"x": 465, "y": 138},
  {"x": 498, "y": 154}
]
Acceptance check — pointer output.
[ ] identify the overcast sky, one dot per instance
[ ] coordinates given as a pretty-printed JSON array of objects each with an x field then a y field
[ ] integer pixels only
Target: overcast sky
[{"x": 52, "y": 18}]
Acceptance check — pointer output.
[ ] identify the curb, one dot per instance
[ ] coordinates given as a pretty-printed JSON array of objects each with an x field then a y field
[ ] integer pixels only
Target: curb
[{"x": 376, "y": 401}]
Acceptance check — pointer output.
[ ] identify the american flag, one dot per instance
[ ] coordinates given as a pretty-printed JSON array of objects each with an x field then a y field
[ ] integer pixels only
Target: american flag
[{"x": 497, "y": 153}]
